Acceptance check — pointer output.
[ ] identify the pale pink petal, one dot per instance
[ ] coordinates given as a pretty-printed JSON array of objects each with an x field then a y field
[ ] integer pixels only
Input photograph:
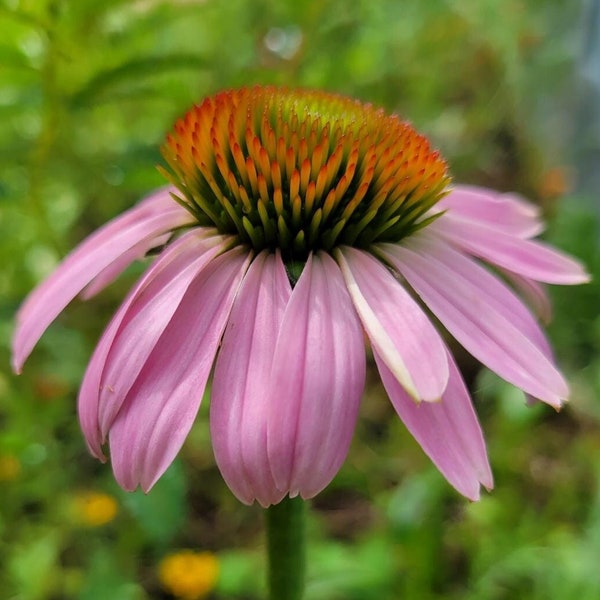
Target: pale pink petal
[
  {"x": 157, "y": 203},
  {"x": 189, "y": 248},
  {"x": 493, "y": 331},
  {"x": 160, "y": 408},
  {"x": 108, "y": 275},
  {"x": 531, "y": 259},
  {"x": 398, "y": 328},
  {"x": 87, "y": 402},
  {"x": 147, "y": 317},
  {"x": 448, "y": 431},
  {"x": 317, "y": 381},
  {"x": 534, "y": 293},
  {"x": 238, "y": 409},
  {"x": 505, "y": 212},
  {"x": 491, "y": 291},
  {"x": 84, "y": 263},
  {"x": 160, "y": 200}
]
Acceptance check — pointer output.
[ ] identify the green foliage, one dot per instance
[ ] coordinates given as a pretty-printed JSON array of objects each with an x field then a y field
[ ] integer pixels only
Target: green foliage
[{"x": 87, "y": 91}]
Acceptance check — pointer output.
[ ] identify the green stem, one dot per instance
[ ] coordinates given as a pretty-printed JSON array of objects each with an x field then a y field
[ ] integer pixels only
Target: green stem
[{"x": 286, "y": 546}]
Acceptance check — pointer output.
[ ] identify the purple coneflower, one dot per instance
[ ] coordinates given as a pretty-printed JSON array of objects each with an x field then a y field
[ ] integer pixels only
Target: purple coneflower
[{"x": 297, "y": 222}]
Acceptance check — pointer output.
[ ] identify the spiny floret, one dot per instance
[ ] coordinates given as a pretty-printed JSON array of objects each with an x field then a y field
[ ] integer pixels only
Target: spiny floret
[{"x": 303, "y": 170}]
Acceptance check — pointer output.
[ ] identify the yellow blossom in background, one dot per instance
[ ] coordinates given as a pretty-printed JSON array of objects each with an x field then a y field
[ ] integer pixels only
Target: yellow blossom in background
[
  {"x": 189, "y": 575},
  {"x": 94, "y": 509},
  {"x": 10, "y": 467}
]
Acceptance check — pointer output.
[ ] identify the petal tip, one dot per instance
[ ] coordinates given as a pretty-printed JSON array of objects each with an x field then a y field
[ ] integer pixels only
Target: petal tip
[{"x": 16, "y": 365}]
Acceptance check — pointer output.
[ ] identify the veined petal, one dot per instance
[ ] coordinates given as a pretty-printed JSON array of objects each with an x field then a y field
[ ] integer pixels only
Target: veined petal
[
  {"x": 317, "y": 381},
  {"x": 494, "y": 331},
  {"x": 398, "y": 328},
  {"x": 531, "y": 259},
  {"x": 108, "y": 275},
  {"x": 160, "y": 408},
  {"x": 505, "y": 212},
  {"x": 147, "y": 317},
  {"x": 189, "y": 248},
  {"x": 160, "y": 200},
  {"x": 448, "y": 431},
  {"x": 491, "y": 291},
  {"x": 87, "y": 402},
  {"x": 157, "y": 203},
  {"x": 534, "y": 293},
  {"x": 80, "y": 267},
  {"x": 238, "y": 409}
]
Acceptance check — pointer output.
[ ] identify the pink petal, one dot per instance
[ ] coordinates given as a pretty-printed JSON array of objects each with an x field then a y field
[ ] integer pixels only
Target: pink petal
[
  {"x": 190, "y": 248},
  {"x": 156, "y": 204},
  {"x": 160, "y": 408},
  {"x": 506, "y": 212},
  {"x": 108, "y": 275},
  {"x": 399, "y": 330},
  {"x": 238, "y": 407},
  {"x": 147, "y": 317},
  {"x": 87, "y": 403},
  {"x": 534, "y": 293},
  {"x": 448, "y": 431},
  {"x": 531, "y": 259},
  {"x": 88, "y": 260},
  {"x": 317, "y": 381},
  {"x": 493, "y": 327},
  {"x": 160, "y": 200}
]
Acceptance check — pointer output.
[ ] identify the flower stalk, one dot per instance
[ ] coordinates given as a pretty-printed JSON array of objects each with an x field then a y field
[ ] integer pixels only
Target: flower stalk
[{"x": 286, "y": 549}]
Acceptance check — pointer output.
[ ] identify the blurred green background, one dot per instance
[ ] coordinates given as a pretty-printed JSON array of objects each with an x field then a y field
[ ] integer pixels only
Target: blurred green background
[{"x": 87, "y": 92}]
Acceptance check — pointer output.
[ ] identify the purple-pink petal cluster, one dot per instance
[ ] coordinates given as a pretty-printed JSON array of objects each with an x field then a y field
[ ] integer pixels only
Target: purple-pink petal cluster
[{"x": 288, "y": 353}]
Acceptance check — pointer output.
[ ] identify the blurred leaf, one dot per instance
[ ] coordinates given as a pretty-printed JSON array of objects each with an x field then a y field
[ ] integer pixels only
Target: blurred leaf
[
  {"x": 360, "y": 572},
  {"x": 33, "y": 566},
  {"x": 104, "y": 580},
  {"x": 108, "y": 82},
  {"x": 161, "y": 513},
  {"x": 241, "y": 574}
]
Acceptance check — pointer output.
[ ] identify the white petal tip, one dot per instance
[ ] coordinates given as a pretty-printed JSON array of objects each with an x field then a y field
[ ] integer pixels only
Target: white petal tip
[{"x": 433, "y": 400}]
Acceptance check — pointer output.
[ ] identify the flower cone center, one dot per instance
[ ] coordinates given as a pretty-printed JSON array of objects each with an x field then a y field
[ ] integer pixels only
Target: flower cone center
[{"x": 303, "y": 170}]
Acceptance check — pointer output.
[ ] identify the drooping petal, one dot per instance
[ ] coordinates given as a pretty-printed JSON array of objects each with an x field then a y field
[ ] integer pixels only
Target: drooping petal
[
  {"x": 160, "y": 408},
  {"x": 534, "y": 293},
  {"x": 481, "y": 313},
  {"x": 238, "y": 409},
  {"x": 108, "y": 275},
  {"x": 504, "y": 212},
  {"x": 87, "y": 402},
  {"x": 317, "y": 381},
  {"x": 531, "y": 259},
  {"x": 161, "y": 276},
  {"x": 491, "y": 291},
  {"x": 157, "y": 203},
  {"x": 448, "y": 431},
  {"x": 84, "y": 263},
  {"x": 160, "y": 200},
  {"x": 147, "y": 317},
  {"x": 398, "y": 328}
]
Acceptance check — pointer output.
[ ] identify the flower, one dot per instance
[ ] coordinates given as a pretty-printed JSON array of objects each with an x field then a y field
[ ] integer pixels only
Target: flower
[
  {"x": 94, "y": 509},
  {"x": 188, "y": 574},
  {"x": 296, "y": 223}
]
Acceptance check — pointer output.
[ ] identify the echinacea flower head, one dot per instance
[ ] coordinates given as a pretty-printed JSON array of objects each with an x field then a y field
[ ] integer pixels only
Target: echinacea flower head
[{"x": 297, "y": 225}]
